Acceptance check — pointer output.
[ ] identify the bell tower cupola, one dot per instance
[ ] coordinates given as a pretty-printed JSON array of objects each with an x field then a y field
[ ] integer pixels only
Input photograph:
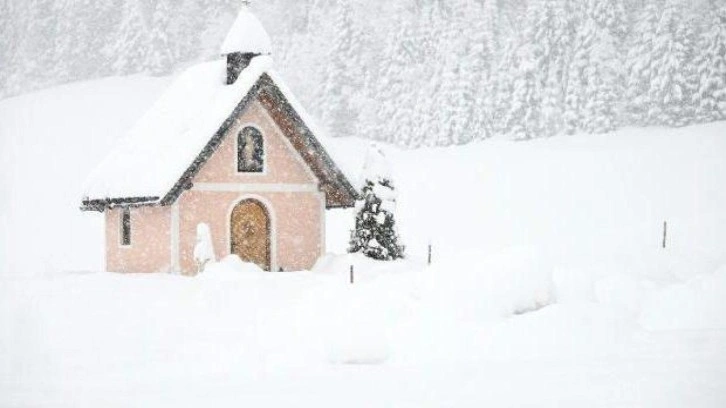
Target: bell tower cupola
[{"x": 246, "y": 39}]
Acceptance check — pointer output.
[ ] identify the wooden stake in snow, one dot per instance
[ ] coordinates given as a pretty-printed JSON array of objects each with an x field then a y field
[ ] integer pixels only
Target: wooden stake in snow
[
  {"x": 351, "y": 275},
  {"x": 665, "y": 232},
  {"x": 429, "y": 254}
]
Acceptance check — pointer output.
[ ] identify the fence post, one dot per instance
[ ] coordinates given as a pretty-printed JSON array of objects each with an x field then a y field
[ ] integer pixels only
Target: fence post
[
  {"x": 351, "y": 275},
  {"x": 665, "y": 232},
  {"x": 429, "y": 254}
]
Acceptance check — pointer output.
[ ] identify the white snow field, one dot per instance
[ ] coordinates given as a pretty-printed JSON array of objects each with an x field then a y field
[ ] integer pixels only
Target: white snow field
[{"x": 549, "y": 286}]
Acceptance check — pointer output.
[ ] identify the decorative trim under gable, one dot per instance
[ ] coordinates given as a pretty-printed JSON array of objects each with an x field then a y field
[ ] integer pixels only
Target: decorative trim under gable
[{"x": 256, "y": 187}]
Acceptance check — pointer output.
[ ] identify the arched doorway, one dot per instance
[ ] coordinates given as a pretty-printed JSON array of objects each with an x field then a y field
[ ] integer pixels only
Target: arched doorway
[{"x": 250, "y": 233}]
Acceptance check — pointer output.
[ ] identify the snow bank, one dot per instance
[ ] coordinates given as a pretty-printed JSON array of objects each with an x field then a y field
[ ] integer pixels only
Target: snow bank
[
  {"x": 231, "y": 268},
  {"x": 696, "y": 304}
]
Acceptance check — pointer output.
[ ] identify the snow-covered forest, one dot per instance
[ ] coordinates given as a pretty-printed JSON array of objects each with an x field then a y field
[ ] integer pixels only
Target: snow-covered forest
[{"x": 414, "y": 72}]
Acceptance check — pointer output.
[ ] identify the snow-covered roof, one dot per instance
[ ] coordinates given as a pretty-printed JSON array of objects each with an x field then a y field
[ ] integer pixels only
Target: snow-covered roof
[
  {"x": 149, "y": 163},
  {"x": 247, "y": 35}
]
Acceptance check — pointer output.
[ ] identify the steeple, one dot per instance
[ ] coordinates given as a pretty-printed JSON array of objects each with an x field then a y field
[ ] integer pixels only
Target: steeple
[{"x": 246, "y": 39}]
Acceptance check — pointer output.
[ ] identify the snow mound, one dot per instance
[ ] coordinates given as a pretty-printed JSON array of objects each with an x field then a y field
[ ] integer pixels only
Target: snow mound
[
  {"x": 696, "y": 304},
  {"x": 231, "y": 268}
]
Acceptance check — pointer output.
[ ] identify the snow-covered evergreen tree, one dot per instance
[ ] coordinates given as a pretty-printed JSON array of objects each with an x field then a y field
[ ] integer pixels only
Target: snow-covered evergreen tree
[
  {"x": 593, "y": 82},
  {"x": 710, "y": 97},
  {"x": 429, "y": 117},
  {"x": 131, "y": 40},
  {"x": 501, "y": 84},
  {"x": 640, "y": 64},
  {"x": 393, "y": 89},
  {"x": 525, "y": 118},
  {"x": 159, "y": 57},
  {"x": 375, "y": 234},
  {"x": 466, "y": 64},
  {"x": 184, "y": 30},
  {"x": 661, "y": 72},
  {"x": 344, "y": 76},
  {"x": 673, "y": 83},
  {"x": 541, "y": 58}
]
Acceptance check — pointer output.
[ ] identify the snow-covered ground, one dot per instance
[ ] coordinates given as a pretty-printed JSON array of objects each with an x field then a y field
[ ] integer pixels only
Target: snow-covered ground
[{"x": 549, "y": 286}]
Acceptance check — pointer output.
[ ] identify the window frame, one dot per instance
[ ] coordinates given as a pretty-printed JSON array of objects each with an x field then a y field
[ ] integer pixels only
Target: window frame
[
  {"x": 125, "y": 230},
  {"x": 237, "y": 160}
]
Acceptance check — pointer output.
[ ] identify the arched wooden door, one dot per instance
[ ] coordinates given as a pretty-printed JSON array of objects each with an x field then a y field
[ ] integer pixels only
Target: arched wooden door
[{"x": 250, "y": 233}]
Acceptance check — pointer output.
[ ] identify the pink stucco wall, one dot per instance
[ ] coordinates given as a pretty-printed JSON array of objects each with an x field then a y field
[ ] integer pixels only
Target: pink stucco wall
[
  {"x": 287, "y": 188},
  {"x": 296, "y": 222},
  {"x": 150, "y": 241},
  {"x": 282, "y": 163}
]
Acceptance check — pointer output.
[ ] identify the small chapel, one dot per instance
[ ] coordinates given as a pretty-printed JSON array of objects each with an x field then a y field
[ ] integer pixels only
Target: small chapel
[{"x": 229, "y": 146}]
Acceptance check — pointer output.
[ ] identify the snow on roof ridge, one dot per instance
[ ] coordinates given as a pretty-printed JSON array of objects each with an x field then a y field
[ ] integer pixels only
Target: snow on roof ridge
[
  {"x": 165, "y": 141},
  {"x": 247, "y": 35}
]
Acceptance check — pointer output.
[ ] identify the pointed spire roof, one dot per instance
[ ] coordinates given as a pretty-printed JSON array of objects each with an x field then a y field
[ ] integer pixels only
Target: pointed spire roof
[{"x": 247, "y": 35}]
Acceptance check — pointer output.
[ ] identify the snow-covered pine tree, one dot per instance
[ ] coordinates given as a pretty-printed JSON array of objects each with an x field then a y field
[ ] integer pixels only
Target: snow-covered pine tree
[
  {"x": 673, "y": 83},
  {"x": 487, "y": 57},
  {"x": 344, "y": 76},
  {"x": 457, "y": 93},
  {"x": 429, "y": 38},
  {"x": 524, "y": 119},
  {"x": 501, "y": 84},
  {"x": 640, "y": 69},
  {"x": 131, "y": 40},
  {"x": 710, "y": 98},
  {"x": 603, "y": 77},
  {"x": 31, "y": 50},
  {"x": 539, "y": 64},
  {"x": 393, "y": 88},
  {"x": 159, "y": 57},
  {"x": 9, "y": 48},
  {"x": 185, "y": 29},
  {"x": 555, "y": 26},
  {"x": 593, "y": 81},
  {"x": 375, "y": 234}
]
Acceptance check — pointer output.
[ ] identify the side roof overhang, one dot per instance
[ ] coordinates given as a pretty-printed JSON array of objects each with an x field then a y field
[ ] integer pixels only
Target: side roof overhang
[{"x": 339, "y": 192}]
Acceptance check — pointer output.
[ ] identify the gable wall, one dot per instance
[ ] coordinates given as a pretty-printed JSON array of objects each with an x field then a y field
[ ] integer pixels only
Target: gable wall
[
  {"x": 287, "y": 188},
  {"x": 282, "y": 163}
]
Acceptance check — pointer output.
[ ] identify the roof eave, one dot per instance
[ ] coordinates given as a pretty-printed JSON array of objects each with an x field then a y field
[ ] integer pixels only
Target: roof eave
[{"x": 103, "y": 204}]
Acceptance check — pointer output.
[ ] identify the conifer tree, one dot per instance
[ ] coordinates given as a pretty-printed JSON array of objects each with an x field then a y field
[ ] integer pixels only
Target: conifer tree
[
  {"x": 375, "y": 234},
  {"x": 673, "y": 83},
  {"x": 184, "y": 30},
  {"x": 710, "y": 97},
  {"x": 540, "y": 60},
  {"x": 131, "y": 40},
  {"x": 429, "y": 40},
  {"x": 501, "y": 84},
  {"x": 393, "y": 88},
  {"x": 159, "y": 58},
  {"x": 524, "y": 120},
  {"x": 640, "y": 64},
  {"x": 593, "y": 85},
  {"x": 344, "y": 76}
]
